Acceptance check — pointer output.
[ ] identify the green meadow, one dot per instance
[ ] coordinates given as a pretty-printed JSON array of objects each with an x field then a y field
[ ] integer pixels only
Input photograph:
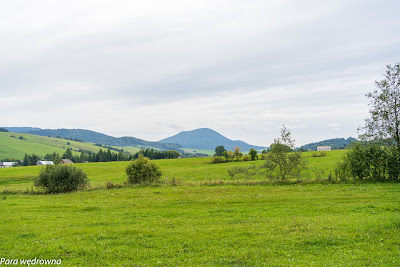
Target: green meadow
[
  {"x": 205, "y": 219},
  {"x": 193, "y": 171}
]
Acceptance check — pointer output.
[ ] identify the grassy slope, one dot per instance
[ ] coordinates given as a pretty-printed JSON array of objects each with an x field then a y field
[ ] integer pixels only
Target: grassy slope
[
  {"x": 191, "y": 170},
  {"x": 41, "y": 145}
]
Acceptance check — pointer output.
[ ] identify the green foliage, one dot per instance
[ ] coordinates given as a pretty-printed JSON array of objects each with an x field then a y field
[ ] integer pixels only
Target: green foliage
[
  {"x": 237, "y": 154},
  {"x": 57, "y": 159},
  {"x": 280, "y": 161},
  {"x": 219, "y": 151},
  {"x": 218, "y": 159},
  {"x": 336, "y": 143},
  {"x": 372, "y": 161},
  {"x": 68, "y": 154},
  {"x": 253, "y": 154},
  {"x": 26, "y": 161},
  {"x": 246, "y": 158},
  {"x": 241, "y": 171},
  {"x": 142, "y": 170},
  {"x": 33, "y": 159},
  {"x": 154, "y": 154},
  {"x": 384, "y": 121},
  {"x": 229, "y": 156},
  {"x": 3, "y": 129},
  {"x": 61, "y": 179},
  {"x": 265, "y": 151},
  {"x": 318, "y": 154}
]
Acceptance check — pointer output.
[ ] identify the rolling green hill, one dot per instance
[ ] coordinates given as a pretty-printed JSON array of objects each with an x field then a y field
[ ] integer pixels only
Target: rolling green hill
[
  {"x": 95, "y": 137},
  {"x": 16, "y": 145},
  {"x": 208, "y": 139}
]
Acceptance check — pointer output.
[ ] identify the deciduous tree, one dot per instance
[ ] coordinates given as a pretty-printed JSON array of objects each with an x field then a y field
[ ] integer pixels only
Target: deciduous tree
[{"x": 384, "y": 120}]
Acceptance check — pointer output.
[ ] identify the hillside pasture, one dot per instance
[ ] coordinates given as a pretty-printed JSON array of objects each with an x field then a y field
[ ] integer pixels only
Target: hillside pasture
[
  {"x": 188, "y": 170},
  {"x": 13, "y": 147}
]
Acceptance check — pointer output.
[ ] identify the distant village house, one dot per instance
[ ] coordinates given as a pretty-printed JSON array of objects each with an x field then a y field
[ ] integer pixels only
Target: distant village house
[
  {"x": 66, "y": 161},
  {"x": 7, "y": 164},
  {"x": 44, "y": 162},
  {"x": 324, "y": 148}
]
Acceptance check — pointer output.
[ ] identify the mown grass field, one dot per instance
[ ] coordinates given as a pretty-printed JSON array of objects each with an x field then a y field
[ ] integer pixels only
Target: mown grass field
[{"x": 201, "y": 222}]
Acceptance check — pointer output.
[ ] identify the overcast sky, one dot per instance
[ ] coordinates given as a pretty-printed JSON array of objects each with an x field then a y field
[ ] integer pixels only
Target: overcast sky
[{"x": 151, "y": 69}]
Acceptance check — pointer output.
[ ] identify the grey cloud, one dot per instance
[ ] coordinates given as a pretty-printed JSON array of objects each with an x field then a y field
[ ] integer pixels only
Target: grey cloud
[{"x": 145, "y": 55}]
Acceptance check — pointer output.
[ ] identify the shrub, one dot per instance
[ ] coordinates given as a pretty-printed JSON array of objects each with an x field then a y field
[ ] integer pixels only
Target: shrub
[
  {"x": 373, "y": 161},
  {"x": 246, "y": 158},
  {"x": 217, "y": 159},
  {"x": 61, "y": 178},
  {"x": 320, "y": 154},
  {"x": 263, "y": 156},
  {"x": 142, "y": 170},
  {"x": 110, "y": 185}
]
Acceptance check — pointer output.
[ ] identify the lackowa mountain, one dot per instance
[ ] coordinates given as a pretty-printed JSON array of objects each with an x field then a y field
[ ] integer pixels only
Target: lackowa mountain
[
  {"x": 205, "y": 138},
  {"x": 95, "y": 137}
]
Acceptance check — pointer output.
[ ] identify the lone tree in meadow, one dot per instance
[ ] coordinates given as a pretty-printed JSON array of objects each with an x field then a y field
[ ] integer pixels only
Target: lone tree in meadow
[
  {"x": 281, "y": 159},
  {"x": 253, "y": 154},
  {"x": 384, "y": 121},
  {"x": 219, "y": 151}
]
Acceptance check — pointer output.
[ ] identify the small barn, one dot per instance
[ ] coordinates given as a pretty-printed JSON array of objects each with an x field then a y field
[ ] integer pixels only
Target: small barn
[
  {"x": 8, "y": 164},
  {"x": 324, "y": 148},
  {"x": 44, "y": 162},
  {"x": 66, "y": 161}
]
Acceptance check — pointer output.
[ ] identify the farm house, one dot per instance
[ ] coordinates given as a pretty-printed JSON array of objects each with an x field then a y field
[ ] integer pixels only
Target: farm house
[
  {"x": 66, "y": 161},
  {"x": 8, "y": 164},
  {"x": 43, "y": 162},
  {"x": 324, "y": 148}
]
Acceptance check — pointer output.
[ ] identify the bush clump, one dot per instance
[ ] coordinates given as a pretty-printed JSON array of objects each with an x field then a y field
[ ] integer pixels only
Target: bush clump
[
  {"x": 320, "y": 154},
  {"x": 246, "y": 158},
  {"x": 61, "y": 179},
  {"x": 142, "y": 170},
  {"x": 218, "y": 159}
]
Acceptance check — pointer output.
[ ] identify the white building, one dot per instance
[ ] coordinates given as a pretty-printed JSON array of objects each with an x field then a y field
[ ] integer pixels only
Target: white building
[
  {"x": 43, "y": 162},
  {"x": 8, "y": 164},
  {"x": 324, "y": 148}
]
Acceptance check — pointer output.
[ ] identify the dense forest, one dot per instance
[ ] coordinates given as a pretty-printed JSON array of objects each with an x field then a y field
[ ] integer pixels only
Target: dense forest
[{"x": 101, "y": 156}]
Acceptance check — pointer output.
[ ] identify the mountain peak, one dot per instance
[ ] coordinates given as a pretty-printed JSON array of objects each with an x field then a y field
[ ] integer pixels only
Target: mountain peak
[{"x": 205, "y": 138}]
